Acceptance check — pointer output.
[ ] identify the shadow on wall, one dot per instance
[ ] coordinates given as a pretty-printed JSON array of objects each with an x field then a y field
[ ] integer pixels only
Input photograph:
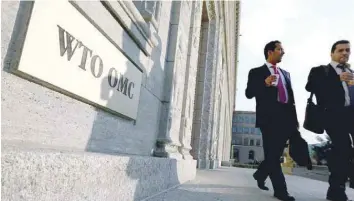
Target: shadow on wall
[{"x": 151, "y": 175}]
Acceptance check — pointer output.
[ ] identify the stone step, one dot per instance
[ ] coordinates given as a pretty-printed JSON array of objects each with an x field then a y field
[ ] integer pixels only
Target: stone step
[{"x": 35, "y": 175}]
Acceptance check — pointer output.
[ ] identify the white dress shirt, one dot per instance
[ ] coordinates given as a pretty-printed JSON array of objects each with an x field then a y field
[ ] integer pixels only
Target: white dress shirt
[
  {"x": 345, "y": 86},
  {"x": 271, "y": 69}
]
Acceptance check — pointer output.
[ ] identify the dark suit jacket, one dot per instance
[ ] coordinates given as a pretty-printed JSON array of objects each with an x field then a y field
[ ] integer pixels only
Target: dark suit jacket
[
  {"x": 326, "y": 86},
  {"x": 267, "y": 97}
]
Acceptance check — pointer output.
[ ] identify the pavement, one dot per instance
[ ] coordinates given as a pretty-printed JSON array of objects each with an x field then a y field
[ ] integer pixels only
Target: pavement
[
  {"x": 320, "y": 174},
  {"x": 237, "y": 184}
]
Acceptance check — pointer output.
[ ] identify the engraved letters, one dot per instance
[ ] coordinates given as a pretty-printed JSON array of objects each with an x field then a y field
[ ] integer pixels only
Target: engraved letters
[{"x": 70, "y": 45}]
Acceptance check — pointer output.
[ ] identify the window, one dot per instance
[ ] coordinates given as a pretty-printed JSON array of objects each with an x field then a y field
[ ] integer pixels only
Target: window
[
  {"x": 258, "y": 131},
  {"x": 242, "y": 119},
  {"x": 234, "y": 129},
  {"x": 253, "y": 120},
  {"x": 253, "y": 130},
  {"x": 251, "y": 155},
  {"x": 245, "y": 142},
  {"x": 246, "y": 119},
  {"x": 238, "y": 141},
  {"x": 251, "y": 142},
  {"x": 246, "y": 130},
  {"x": 258, "y": 142}
]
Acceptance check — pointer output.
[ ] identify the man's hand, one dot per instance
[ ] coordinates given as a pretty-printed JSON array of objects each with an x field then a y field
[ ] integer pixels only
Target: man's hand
[
  {"x": 270, "y": 80},
  {"x": 346, "y": 77}
]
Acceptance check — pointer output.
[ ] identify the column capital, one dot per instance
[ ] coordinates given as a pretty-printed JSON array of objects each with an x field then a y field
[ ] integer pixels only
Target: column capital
[{"x": 149, "y": 10}]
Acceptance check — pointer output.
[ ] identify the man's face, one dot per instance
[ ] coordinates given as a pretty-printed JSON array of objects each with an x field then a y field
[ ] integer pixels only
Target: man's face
[
  {"x": 277, "y": 54},
  {"x": 341, "y": 53}
]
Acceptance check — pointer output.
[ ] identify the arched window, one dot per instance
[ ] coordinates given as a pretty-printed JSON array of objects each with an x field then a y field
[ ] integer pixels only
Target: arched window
[{"x": 251, "y": 155}]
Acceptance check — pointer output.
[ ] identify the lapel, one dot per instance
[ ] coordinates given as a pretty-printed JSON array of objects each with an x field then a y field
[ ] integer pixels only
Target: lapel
[
  {"x": 265, "y": 70},
  {"x": 333, "y": 74},
  {"x": 287, "y": 77},
  {"x": 334, "y": 82},
  {"x": 331, "y": 71}
]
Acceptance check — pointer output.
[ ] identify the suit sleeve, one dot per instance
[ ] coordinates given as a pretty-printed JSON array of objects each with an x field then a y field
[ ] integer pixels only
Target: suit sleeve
[
  {"x": 294, "y": 108},
  {"x": 310, "y": 86},
  {"x": 255, "y": 85},
  {"x": 250, "y": 91}
]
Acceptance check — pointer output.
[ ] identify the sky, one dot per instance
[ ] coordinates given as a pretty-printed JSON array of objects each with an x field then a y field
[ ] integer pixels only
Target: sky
[{"x": 307, "y": 30}]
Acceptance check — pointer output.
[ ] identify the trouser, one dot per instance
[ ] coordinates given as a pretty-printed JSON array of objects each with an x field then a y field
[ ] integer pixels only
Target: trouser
[
  {"x": 338, "y": 123},
  {"x": 274, "y": 142},
  {"x": 351, "y": 166}
]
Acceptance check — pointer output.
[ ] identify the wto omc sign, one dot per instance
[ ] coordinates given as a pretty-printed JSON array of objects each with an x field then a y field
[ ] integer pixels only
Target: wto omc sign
[{"x": 64, "y": 51}]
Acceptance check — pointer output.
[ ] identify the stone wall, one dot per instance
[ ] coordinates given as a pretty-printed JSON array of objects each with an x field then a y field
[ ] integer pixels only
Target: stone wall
[{"x": 185, "y": 51}]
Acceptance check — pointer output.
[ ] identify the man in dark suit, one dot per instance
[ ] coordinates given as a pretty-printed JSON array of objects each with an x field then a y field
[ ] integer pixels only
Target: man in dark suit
[
  {"x": 335, "y": 95},
  {"x": 275, "y": 116}
]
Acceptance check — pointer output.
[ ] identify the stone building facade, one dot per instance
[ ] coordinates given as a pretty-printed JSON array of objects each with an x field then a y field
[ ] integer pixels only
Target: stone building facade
[
  {"x": 247, "y": 144},
  {"x": 114, "y": 100}
]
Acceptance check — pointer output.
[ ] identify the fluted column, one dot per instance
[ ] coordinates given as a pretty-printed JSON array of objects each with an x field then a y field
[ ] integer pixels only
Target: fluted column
[
  {"x": 169, "y": 141},
  {"x": 190, "y": 81}
]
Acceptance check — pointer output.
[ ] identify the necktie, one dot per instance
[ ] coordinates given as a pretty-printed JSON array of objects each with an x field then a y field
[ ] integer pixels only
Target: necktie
[
  {"x": 350, "y": 88},
  {"x": 281, "y": 88}
]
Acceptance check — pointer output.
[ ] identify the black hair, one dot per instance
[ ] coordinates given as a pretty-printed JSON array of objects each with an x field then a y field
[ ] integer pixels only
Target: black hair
[
  {"x": 270, "y": 47},
  {"x": 334, "y": 46}
]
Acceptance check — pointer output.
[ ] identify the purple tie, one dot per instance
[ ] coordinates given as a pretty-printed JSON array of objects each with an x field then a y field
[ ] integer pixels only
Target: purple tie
[
  {"x": 281, "y": 88},
  {"x": 351, "y": 95}
]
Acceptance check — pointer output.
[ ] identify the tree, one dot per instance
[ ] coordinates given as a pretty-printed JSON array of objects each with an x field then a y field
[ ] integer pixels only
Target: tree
[{"x": 322, "y": 150}]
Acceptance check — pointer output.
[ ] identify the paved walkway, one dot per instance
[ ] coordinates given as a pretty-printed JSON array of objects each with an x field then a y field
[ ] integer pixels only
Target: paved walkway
[{"x": 237, "y": 184}]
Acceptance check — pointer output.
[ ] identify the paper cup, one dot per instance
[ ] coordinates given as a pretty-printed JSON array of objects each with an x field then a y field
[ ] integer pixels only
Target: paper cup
[
  {"x": 351, "y": 82},
  {"x": 275, "y": 83}
]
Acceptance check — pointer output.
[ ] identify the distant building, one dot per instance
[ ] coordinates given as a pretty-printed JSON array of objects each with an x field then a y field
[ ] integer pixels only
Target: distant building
[{"x": 247, "y": 144}]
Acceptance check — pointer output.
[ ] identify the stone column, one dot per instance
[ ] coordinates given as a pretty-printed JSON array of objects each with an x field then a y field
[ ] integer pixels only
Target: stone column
[
  {"x": 168, "y": 141},
  {"x": 190, "y": 81},
  {"x": 216, "y": 100},
  {"x": 209, "y": 82}
]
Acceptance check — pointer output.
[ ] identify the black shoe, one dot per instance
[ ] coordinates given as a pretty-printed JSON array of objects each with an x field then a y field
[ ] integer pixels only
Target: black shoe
[
  {"x": 309, "y": 166},
  {"x": 260, "y": 184},
  {"x": 336, "y": 195},
  {"x": 284, "y": 197},
  {"x": 330, "y": 198}
]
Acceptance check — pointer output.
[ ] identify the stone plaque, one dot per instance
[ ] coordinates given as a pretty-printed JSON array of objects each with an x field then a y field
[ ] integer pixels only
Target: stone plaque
[{"x": 64, "y": 51}]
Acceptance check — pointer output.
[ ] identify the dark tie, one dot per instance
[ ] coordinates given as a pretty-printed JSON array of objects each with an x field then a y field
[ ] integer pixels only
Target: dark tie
[
  {"x": 342, "y": 67},
  {"x": 350, "y": 88}
]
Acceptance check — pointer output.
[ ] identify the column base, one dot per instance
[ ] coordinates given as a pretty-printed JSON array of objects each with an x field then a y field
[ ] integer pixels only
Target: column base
[
  {"x": 226, "y": 163},
  {"x": 167, "y": 150},
  {"x": 214, "y": 164},
  {"x": 185, "y": 151},
  {"x": 203, "y": 163}
]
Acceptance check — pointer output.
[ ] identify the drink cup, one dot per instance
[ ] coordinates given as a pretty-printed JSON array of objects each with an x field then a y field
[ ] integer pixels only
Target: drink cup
[
  {"x": 275, "y": 83},
  {"x": 351, "y": 82}
]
